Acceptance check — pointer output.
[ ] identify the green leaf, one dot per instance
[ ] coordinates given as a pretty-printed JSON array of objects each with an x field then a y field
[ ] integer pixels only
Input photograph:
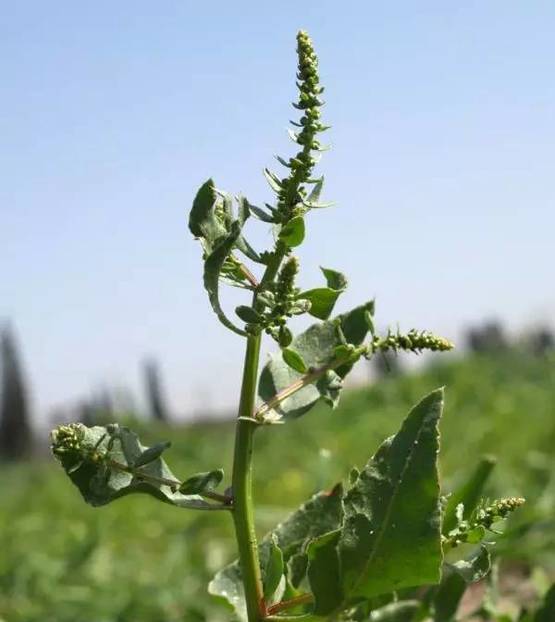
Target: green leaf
[
  {"x": 323, "y": 299},
  {"x": 227, "y": 586},
  {"x": 454, "y": 582},
  {"x": 390, "y": 538},
  {"x": 475, "y": 568},
  {"x": 202, "y": 482},
  {"x": 101, "y": 461},
  {"x": 243, "y": 214},
  {"x": 261, "y": 214},
  {"x": 292, "y": 233},
  {"x": 312, "y": 201},
  {"x": 320, "y": 514},
  {"x": 448, "y": 597},
  {"x": 317, "y": 347},
  {"x": 324, "y": 573},
  {"x": 273, "y": 180},
  {"x": 294, "y": 360},
  {"x": 152, "y": 453},
  {"x": 469, "y": 494},
  {"x": 316, "y": 191},
  {"x": 203, "y": 220},
  {"x": 212, "y": 269},
  {"x": 546, "y": 613},
  {"x": 399, "y": 611},
  {"x": 247, "y": 314},
  {"x": 273, "y": 572}
]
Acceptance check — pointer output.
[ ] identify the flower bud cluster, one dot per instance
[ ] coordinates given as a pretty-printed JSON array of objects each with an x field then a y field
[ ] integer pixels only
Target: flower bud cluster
[
  {"x": 292, "y": 193},
  {"x": 498, "y": 510},
  {"x": 281, "y": 302},
  {"x": 67, "y": 439},
  {"x": 473, "y": 530},
  {"x": 414, "y": 341}
]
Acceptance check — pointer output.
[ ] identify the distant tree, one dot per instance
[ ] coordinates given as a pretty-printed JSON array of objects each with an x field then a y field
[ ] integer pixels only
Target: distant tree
[
  {"x": 86, "y": 413},
  {"x": 489, "y": 338},
  {"x": 154, "y": 392},
  {"x": 541, "y": 341},
  {"x": 15, "y": 426}
]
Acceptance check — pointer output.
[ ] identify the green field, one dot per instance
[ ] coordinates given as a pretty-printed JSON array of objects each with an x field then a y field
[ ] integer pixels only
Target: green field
[{"x": 140, "y": 560}]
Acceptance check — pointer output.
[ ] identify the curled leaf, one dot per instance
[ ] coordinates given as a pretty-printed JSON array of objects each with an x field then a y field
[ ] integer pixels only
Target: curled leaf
[
  {"x": 202, "y": 482},
  {"x": 105, "y": 464},
  {"x": 213, "y": 266},
  {"x": 152, "y": 453}
]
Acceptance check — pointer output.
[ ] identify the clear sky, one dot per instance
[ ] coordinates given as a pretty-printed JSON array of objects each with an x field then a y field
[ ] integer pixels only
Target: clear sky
[{"x": 113, "y": 113}]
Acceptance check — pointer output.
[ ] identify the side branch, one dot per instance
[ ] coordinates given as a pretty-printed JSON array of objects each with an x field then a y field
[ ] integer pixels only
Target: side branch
[
  {"x": 226, "y": 502},
  {"x": 312, "y": 376}
]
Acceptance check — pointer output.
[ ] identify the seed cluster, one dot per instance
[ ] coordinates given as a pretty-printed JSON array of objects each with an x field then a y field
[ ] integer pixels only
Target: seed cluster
[
  {"x": 414, "y": 341},
  {"x": 292, "y": 194},
  {"x": 281, "y": 302},
  {"x": 67, "y": 439},
  {"x": 482, "y": 518},
  {"x": 498, "y": 510}
]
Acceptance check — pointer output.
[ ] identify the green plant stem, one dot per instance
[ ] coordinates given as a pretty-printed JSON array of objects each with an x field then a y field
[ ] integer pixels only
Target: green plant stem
[
  {"x": 243, "y": 512},
  {"x": 289, "y": 604},
  {"x": 241, "y": 483}
]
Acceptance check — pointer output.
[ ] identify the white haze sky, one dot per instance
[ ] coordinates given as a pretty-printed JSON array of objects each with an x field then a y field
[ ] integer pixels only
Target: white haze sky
[{"x": 113, "y": 113}]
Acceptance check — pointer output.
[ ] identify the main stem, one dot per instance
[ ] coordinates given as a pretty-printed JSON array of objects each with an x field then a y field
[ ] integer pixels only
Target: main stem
[{"x": 243, "y": 512}]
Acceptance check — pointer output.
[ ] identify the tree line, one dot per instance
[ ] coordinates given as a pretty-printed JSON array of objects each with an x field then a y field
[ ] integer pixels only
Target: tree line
[{"x": 17, "y": 439}]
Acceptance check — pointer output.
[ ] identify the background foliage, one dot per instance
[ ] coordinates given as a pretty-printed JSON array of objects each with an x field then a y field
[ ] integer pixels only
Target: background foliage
[{"x": 138, "y": 560}]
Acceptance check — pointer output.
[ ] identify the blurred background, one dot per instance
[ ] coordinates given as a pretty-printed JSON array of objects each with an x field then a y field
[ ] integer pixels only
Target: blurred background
[{"x": 111, "y": 116}]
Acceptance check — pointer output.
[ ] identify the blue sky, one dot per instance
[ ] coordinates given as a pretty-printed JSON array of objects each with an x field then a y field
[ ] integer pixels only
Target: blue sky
[{"x": 113, "y": 113}]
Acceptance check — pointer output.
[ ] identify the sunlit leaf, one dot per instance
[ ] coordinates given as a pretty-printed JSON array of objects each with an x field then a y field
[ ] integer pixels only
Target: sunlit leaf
[
  {"x": 105, "y": 464},
  {"x": 317, "y": 347},
  {"x": 293, "y": 232},
  {"x": 212, "y": 269},
  {"x": 323, "y": 299},
  {"x": 320, "y": 514}
]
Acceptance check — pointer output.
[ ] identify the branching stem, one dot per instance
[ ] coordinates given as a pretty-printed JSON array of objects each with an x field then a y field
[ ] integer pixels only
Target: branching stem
[
  {"x": 303, "y": 599},
  {"x": 172, "y": 483},
  {"x": 312, "y": 376}
]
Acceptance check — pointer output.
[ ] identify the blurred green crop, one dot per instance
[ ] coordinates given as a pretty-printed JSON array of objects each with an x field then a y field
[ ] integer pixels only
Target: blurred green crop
[{"x": 63, "y": 561}]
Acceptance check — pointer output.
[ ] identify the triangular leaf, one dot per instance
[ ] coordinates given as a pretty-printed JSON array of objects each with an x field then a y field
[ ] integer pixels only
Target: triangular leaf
[{"x": 391, "y": 537}]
